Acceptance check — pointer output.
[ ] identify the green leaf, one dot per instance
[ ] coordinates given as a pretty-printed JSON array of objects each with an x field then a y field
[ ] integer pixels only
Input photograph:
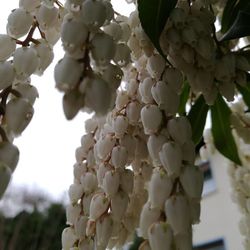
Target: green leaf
[
  {"x": 183, "y": 98},
  {"x": 230, "y": 13},
  {"x": 245, "y": 92},
  {"x": 153, "y": 15},
  {"x": 240, "y": 27},
  {"x": 221, "y": 130},
  {"x": 197, "y": 117}
]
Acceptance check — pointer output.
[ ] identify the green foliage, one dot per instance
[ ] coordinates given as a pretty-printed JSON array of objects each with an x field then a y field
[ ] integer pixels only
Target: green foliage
[
  {"x": 197, "y": 117},
  {"x": 153, "y": 15},
  {"x": 184, "y": 98},
  {"x": 34, "y": 231},
  {"x": 240, "y": 27},
  {"x": 221, "y": 130},
  {"x": 231, "y": 12}
]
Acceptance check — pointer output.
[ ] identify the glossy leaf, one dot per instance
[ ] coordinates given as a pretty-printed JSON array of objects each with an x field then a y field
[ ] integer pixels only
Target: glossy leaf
[
  {"x": 197, "y": 117},
  {"x": 221, "y": 130},
  {"x": 153, "y": 15},
  {"x": 183, "y": 99},
  {"x": 240, "y": 27},
  {"x": 230, "y": 13}
]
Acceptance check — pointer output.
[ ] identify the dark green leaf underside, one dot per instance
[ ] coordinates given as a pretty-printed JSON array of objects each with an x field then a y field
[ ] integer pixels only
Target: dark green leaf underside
[
  {"x": 197, "y": 117},
  {"x": 153, "y": 15},
  {"x": 240, "y": 27},
  {"x": 221, "y": 130}
]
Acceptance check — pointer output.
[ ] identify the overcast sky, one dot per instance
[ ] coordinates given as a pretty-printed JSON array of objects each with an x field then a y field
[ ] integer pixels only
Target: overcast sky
[{"x": 47, "y": 146}]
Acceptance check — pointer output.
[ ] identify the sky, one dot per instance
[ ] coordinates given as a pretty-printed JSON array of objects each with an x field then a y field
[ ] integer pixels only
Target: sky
[{"x": 47, "y": 146}]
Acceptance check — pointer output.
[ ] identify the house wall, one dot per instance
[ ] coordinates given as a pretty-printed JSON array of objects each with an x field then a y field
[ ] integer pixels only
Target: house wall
[{"x": 219, "y": 215}]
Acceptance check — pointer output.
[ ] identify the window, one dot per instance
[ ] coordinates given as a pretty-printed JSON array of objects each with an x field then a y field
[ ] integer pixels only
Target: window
[
  {"x": 215, "y": 245},
  {"x": 209, "y": 182}
]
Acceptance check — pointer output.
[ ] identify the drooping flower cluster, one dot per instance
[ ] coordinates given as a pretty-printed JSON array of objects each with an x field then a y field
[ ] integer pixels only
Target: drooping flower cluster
[
  {"x": 107, "y": 192},
  {"x": 135, "y": 167},
  {"x": 19, "y": 59},
  {"x": 189, "y": 40},
  {"x": 95, "y": 45},
  {"x": 142, "y": 136}
]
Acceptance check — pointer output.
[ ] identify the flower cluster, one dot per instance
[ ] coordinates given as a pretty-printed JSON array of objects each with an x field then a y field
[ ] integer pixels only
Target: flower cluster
[
  {"x": 95, "y": 51},
  {"x": 189, "y": 40},
  {"x": 19, "y": 59}
]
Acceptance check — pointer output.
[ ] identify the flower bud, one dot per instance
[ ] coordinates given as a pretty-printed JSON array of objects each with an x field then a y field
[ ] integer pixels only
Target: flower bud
[
  {"x": 104, "y": 228},
  {"x": 180, "y": 129},
  {"x": 151, "y": 117},
  {"x": 122, "y": 54},
  {"x": 165, "y": 97},
  {"x": 103, "y": 48},
  {"x": 112, "y": 74},
  {"x": 111, "y": 182},
  {"x": 148, "y": 217},
  {"x": 145, "y": 90},
  {"x": 19, "y": 113},
  {"x": 98, "y": 205},
  {"x": 160, "y": 187},
  {"x": 133, "y": 110},
  {"x": 7, "y": 46},
  {"x": 72, "y": 213},
  {"x": 178, "y": 214},
  {"x": 155, "y": 66},
  {"x": 93, "y": 14},
  {"x": 28, "y": 92},
  {"x": 121, "y": 99},
  {"x": 89, "y": 182},
  {"x": 104, "y": 146},
  {"x": 67, "y": 73},
  {"x": 98, "y": 96},
  {"x": 7, "y": 74},
  {"x": 68, "y": 238},
  {"x": 171, "y": 158},
  {"x": 80, "y": 226},
  {"x": 119, "y": 156},
  {"x": 120, "y": 125},
  {"x": 86, "y": 200},
  {"x": 192, "y": 181},
  {"x": 25, "y": 61},
  {"x": 75, "y": 192},
  {"x": 91, "y": 125},
  {"x": 155, "y": 143},
  {"x": 160, "y": 236}
]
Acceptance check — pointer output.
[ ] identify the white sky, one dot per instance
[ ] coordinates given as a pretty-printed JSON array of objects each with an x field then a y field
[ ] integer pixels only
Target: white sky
[{"x": 47, "y": 146}]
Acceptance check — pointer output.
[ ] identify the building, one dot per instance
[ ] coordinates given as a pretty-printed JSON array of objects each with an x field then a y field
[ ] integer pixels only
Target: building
[{"x": 220, "y": 216}]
